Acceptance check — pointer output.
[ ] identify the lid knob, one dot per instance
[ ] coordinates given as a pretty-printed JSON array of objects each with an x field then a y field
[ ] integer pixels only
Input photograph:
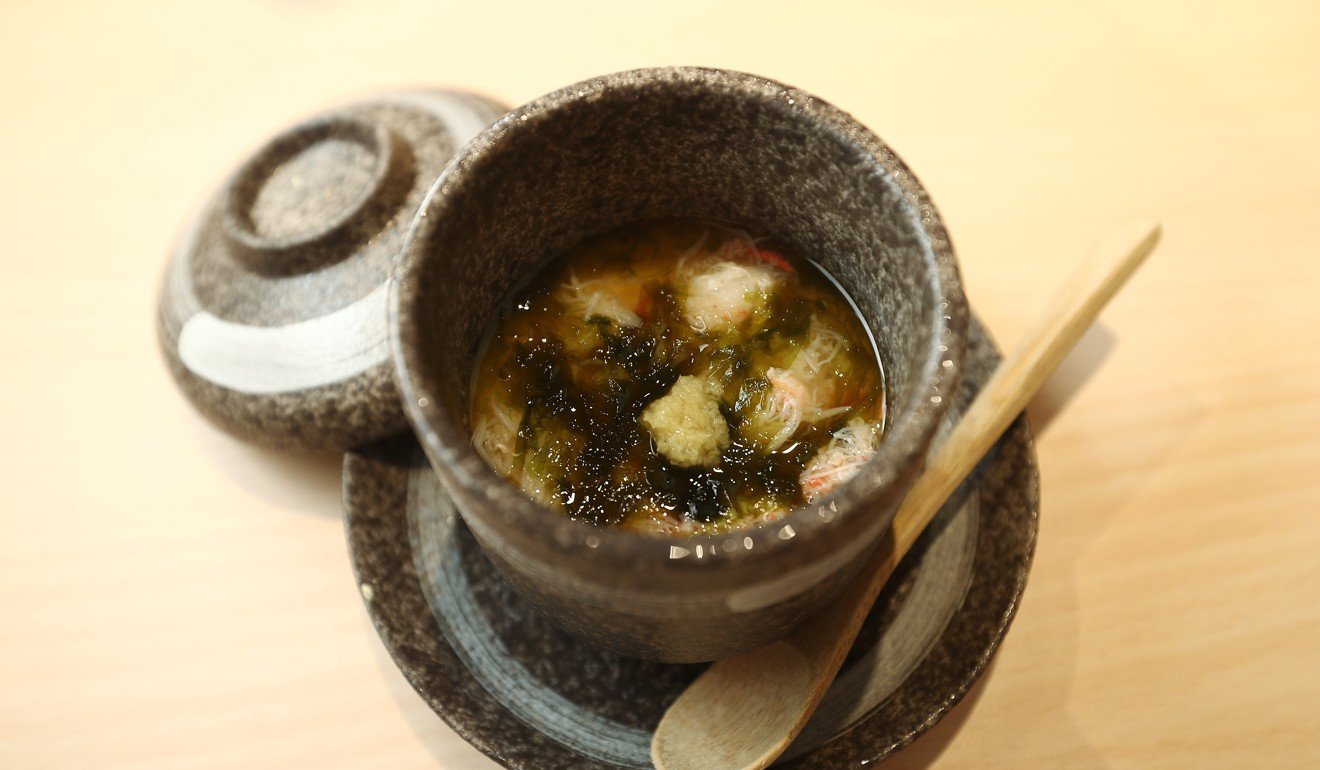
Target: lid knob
[{"x": 299, "y": 202}]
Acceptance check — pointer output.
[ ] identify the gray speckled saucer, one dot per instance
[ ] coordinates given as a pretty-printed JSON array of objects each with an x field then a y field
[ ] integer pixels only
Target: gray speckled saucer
[
  {"x": 530, "y": 696},
  {"x": 272, "y": 312}
]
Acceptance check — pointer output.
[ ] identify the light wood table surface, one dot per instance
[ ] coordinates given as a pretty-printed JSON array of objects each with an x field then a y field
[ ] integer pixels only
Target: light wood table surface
[{"x": 173, "y": 598}]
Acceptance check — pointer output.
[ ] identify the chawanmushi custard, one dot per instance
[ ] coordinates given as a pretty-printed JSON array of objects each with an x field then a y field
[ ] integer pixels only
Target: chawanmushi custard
[{"x": 677, "y": 377}]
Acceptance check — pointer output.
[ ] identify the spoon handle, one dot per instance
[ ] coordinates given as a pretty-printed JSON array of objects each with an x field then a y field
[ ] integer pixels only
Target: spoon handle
[
  {"x": 744, "y": 711},
  {"x": 1021, "y": 374}
]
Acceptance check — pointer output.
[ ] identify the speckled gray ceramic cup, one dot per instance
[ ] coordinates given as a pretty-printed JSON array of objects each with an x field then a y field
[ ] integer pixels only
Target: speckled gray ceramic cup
[{"x": 677, "y": 142}]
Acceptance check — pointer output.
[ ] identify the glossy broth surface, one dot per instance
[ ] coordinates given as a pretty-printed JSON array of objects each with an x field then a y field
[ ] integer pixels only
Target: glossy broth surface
[{"x": 677, "y": 377}]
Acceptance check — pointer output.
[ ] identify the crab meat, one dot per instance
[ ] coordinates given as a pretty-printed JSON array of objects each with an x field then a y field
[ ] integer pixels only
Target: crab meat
[
  {"x": 816, "y": 381},
  {"x": 781, "y": 408},
  {"x": 812, "y": 368},
  {"x": 795, "y": 393},
  {"x": 653, "y": 520},
  {"x": 495, "y": 437},
  {"x": 721, "y": 294},
  {"x": 823, "y": 346},
  {"x": 590, "y": 299},
  {"x": 849, "y": 449}
]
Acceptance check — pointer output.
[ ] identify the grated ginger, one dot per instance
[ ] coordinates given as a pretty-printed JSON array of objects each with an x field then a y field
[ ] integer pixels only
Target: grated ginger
[{"x": 686, "y": 423}]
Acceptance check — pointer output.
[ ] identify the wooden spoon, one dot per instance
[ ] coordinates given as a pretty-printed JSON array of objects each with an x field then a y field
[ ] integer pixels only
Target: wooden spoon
[{"x": 744, "y": 711}]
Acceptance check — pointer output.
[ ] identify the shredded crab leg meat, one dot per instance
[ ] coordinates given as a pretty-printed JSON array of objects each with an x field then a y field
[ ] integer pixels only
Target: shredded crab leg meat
[
  {"x": 785, "y": 405},
  {"x": 794, "y": 392},
  {"x": 495, "y": 438},
  {"x": 816, "y": 415},
  {"x": 745, "y": 239},
  {"x": 823, "y": 346},
  {"x": 851, "y": 447},
  {"x": 585, "y": 299}
]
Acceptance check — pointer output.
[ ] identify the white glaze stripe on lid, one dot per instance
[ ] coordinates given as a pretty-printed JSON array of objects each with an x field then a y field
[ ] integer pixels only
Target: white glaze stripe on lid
[
  {"x": 281, "y": 359},
  {"x": 262, "y": 360}
]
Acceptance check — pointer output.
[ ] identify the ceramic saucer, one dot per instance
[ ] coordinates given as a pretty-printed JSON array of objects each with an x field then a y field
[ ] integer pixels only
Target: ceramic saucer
[{"x": 531, "y": 696}]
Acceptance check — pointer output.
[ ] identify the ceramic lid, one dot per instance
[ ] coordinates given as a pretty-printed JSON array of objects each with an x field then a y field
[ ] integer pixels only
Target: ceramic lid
[{"x": 273, "y": 308}]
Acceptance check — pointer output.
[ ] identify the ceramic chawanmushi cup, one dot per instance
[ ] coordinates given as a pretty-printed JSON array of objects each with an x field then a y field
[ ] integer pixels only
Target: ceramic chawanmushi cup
[{"x": 645, "y": 145}]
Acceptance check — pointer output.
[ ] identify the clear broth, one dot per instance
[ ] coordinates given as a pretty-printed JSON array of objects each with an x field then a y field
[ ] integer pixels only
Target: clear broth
[{"x": 605, "y": 379}]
